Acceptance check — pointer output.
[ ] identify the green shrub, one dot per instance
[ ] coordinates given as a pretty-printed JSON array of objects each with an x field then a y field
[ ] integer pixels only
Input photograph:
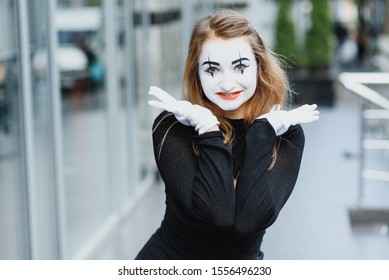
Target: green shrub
[
  {"x": 285, "y": 36},
  {"x": 319, "y": 38}
]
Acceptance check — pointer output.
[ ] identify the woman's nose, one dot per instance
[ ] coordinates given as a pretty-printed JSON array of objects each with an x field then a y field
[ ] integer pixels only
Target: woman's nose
[{"x": 227, "y": 84}]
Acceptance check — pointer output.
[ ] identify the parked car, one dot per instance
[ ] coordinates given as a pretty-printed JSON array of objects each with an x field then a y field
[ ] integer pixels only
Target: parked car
[
  {"x": 76, "y": 58},
  {"x": 72, "y": 64}
]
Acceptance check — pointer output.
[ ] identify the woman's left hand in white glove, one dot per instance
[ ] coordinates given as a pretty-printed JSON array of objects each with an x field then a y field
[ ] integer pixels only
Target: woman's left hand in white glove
[{"x": 281, "y": 120}]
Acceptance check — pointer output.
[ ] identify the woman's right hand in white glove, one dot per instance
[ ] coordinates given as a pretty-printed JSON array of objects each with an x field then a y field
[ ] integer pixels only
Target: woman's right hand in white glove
[{"x": 186, "y": 113}]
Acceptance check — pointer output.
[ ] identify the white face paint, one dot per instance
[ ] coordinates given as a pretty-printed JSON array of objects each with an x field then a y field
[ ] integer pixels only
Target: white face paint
[{"x": 228, "y": 73}]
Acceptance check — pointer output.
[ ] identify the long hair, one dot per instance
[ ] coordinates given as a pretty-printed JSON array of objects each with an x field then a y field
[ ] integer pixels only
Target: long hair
[{"x": 272, "y": 84}]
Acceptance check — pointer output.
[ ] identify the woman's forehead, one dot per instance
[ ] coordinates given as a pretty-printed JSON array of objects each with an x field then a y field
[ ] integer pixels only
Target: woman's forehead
[{"x": 218, "y": 49}]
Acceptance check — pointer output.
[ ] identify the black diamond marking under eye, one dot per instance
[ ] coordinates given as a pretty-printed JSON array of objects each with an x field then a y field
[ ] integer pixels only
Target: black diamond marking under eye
[
  {"x": 241, "y": 65},
  {"x": 210, "y": 65}
]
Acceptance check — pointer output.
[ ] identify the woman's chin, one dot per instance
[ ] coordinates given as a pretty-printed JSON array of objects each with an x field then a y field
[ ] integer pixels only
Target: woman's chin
[{"x": 229, "y": 109}]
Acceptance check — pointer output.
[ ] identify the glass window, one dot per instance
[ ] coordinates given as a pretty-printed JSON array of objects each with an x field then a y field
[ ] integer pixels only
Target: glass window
[
  {"x": 143, "y": 74},
  {"x": 127, "y": 174},
  {"x": 13, "y": 212},
  {"x": 43, "y": 141},
  {"x": 82, "y": 62}
]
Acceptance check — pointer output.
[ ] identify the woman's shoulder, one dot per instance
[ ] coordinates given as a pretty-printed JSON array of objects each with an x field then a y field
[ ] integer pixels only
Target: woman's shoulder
[
  {"x": 295, "y": 135},
  {"x": 164, "y": 118},
  {"x": 167, "y": 122},
  {"x": 295, "y": 130}
]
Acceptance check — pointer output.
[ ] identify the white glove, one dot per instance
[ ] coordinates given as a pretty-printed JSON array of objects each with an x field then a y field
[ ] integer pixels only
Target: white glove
[
  {"x": 186, "y": 113},
  {"x": 281, "y": 120}
]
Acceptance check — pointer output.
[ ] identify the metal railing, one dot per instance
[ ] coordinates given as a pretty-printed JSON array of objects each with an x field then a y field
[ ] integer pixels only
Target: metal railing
[{"x": 373, "y": 90}]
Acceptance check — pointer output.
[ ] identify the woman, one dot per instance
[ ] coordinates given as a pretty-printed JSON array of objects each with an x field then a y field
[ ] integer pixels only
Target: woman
[{"x": 229, "y": 156}]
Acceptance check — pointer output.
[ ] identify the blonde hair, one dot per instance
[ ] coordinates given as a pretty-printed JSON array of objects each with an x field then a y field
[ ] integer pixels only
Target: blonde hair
[{"x": 272, "y": 83}]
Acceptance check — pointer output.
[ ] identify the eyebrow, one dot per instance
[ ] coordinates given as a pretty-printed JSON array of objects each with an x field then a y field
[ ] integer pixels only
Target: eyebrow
[
  {"x": 240, "y": 59},
  {"x": 211, "y": 63}
]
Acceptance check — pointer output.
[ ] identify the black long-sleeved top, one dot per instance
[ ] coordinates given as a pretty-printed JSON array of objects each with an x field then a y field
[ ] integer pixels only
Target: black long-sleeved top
[{"x": 206, "y": 218}]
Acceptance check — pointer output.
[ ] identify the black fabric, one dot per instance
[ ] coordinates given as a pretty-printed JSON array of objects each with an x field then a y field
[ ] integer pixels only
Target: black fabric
[{"x": 206, "y": 218}]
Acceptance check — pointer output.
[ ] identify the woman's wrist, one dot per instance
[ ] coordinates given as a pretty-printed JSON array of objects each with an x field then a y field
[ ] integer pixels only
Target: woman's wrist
[{"x": 213, "y": 128}]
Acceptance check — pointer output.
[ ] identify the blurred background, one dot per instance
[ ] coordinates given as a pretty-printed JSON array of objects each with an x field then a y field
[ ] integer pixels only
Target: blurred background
[{"x": 77, "y": 174}]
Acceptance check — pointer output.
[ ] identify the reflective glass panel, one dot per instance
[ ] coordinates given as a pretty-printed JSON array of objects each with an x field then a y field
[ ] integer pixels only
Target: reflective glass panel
[
  {"x": 13, "y": 207},
  {"x": 123, "y": 85},
  {"x": 82, "y": 62},
  {"x": 43, "y": 135}
]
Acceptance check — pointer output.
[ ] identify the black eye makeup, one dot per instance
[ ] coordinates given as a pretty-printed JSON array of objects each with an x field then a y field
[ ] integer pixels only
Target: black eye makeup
[
  {"x": 211, "y": 70},
  {"x": 237, "y": 64},
  {"x": 241, "y": 66},
  {"x": 211, "y": 66}
]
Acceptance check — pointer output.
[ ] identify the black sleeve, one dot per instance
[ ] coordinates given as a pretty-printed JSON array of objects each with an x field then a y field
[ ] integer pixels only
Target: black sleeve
[
  {"x": 261, "y": 193},
  {"x": 202, "y": 185}
]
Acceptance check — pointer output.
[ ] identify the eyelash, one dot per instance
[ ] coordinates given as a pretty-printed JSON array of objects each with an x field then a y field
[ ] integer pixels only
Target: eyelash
[
  {"x": 211, "y": 70},
  {"x": 241, "y": 67}
]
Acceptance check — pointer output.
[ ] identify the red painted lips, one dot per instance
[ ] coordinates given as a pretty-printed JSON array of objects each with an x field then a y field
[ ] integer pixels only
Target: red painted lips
[{"x": 229, "y": 95}]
